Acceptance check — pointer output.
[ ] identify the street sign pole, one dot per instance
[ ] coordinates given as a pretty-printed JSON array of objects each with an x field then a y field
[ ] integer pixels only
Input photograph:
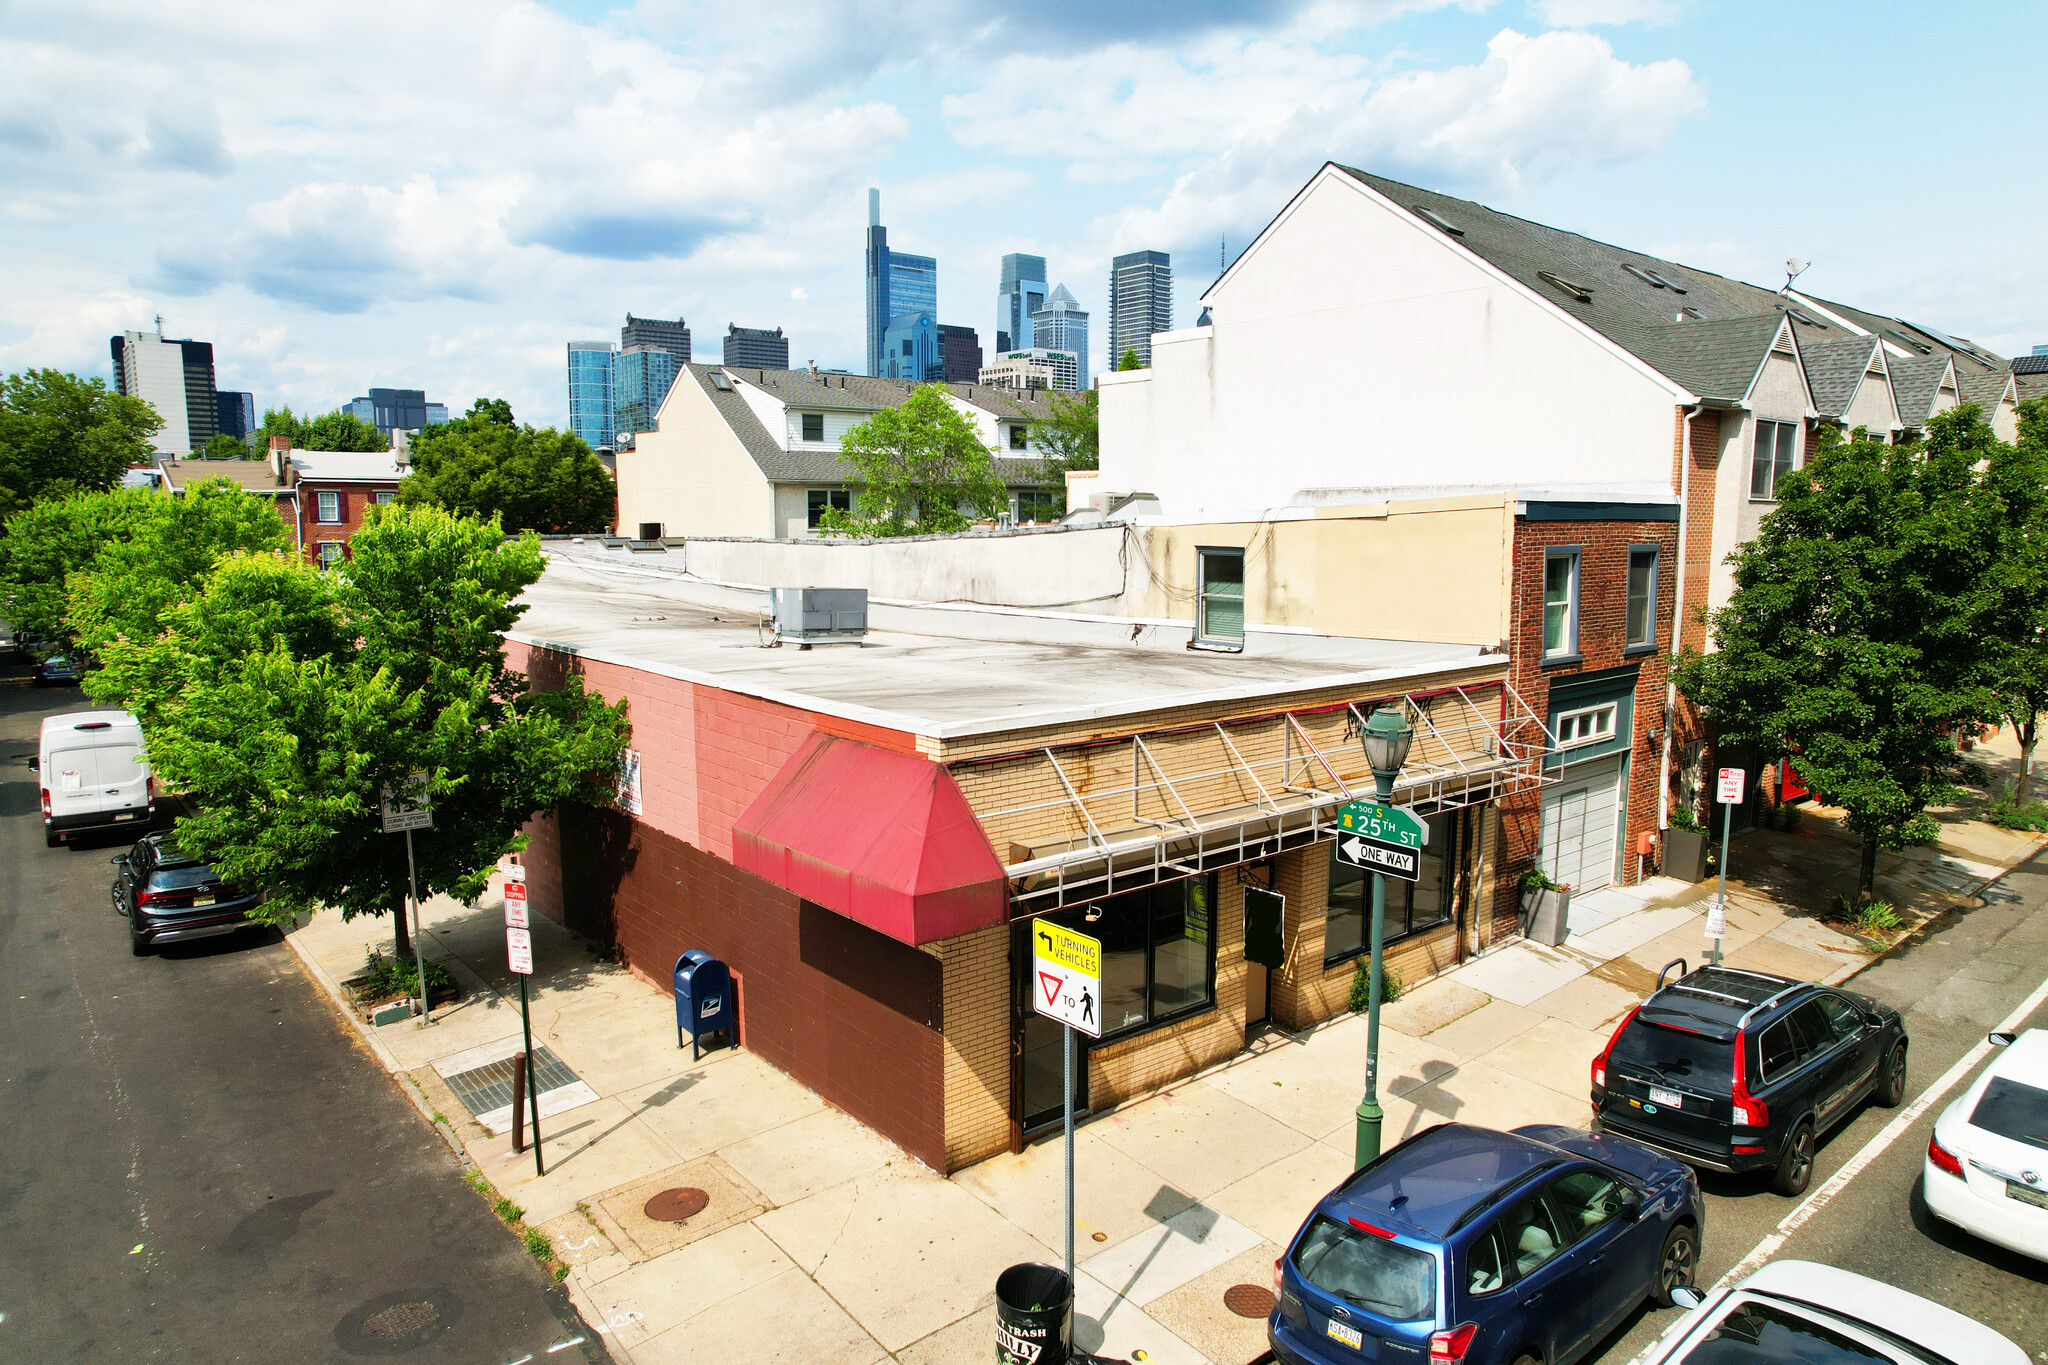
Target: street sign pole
[
  {"x": 1370, "y": 1115},
  {"x": 1068, "y": 1031},
  {"x": 1729, "y": 792},
  {"x": 1383, "y": 839},
  {"x": 532, "y": 1085}
]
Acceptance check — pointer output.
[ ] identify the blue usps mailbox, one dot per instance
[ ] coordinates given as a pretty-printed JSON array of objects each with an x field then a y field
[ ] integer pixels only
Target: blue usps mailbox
[{"x": 704, "y": 1001}]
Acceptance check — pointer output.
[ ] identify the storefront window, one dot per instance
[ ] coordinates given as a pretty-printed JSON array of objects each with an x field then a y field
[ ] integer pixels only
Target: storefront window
[
  {"x": 1158, "y": 951},
  {"x": 1411, "y": 906}
]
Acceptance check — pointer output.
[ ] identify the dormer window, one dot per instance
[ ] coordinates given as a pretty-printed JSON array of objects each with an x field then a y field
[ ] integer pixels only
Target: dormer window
[
  {"x": 814, "y": 426},
  {"x": 1018, "y": 436}
]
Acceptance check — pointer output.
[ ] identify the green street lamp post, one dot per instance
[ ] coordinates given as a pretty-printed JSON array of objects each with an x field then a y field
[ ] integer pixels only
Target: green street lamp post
[{"x": 1386, "y": 739}]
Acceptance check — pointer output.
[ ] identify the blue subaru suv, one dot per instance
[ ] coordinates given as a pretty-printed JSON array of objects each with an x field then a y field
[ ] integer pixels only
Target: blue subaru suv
[{"x": 1479, "y": 1247}]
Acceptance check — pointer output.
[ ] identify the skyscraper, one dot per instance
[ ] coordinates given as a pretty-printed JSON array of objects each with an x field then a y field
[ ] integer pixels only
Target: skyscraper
[
  {"x": 659, "y": 333},
  {"x": 897, "y": 283},
  {"x": 236, "y": 409},
  {"x": 1062, "y": 326},
  {"x": 391, "y": 410},
  {"x": 960, "y": 354},
  {"x": 590, "y": 392},
  {"x": 641, "y": 376},
  {"x": 1020, "y": 294},
  {"x": 1140, "y": 303},
  {"x": 759, "y": 347},
  {"x": 175, "y": 378}
]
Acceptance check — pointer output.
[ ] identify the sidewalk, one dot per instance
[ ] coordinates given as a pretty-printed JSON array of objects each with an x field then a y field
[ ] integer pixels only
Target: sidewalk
[{"x": 821, "y": 1240}]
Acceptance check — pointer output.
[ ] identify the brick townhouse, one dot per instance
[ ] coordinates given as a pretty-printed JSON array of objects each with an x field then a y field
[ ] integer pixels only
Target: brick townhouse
[{"x": 323, "y": 495}]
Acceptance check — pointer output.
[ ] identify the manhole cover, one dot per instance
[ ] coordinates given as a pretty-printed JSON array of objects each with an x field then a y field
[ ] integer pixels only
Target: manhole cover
[
  {"x": 1248, "y": 1300},
  {"x": 673, "y": 1206},
  {"x": 400, "y": 1320}
]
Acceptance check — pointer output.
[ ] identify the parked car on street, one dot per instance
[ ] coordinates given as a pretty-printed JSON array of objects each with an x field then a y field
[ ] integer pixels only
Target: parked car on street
[
  {"x": 1480, "y": 1247},
  {"x": 55, "y": 670},
  {"x": 1986, "y": 1169},
  {"x": 1734, "y": 1070},
  {"x": 93, "y": 774},
  {"x": 171, "y": 897},
  {"x": 1807, "y": 1314}
]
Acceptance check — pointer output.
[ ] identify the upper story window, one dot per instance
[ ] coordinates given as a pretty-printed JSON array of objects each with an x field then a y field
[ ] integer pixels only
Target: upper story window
[
  {"x": 1642, "y": 597},
  {"x": 1587, "y": 725},
  {"x": 1221, "y": 607},
  {"x": 1019, "y": 434},
  {"x": 1561, "y": 602},
  {"x": 328, "y": 507},
  {"x": 814, "y": 426},
  {"x": 385, "y": 497},
  {"x": 1771, "y": 458},
  {"x": 819, "y": 501}
]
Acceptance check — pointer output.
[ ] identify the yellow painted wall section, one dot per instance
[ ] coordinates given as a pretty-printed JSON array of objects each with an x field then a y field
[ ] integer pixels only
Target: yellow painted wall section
[
  {"x": 693, "y": 475},
  {"x": 1437, "y": 571}
]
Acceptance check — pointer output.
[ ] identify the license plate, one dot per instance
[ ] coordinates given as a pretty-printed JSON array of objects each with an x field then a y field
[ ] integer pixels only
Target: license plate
[
  {"x": 125, "y": 815},
  {"x": 198, "y": 901},
  {"x": 1670, "y": 1097},
  {"x": 1349, "y": 1335},
  {"x": 2038, "y": 1198}
]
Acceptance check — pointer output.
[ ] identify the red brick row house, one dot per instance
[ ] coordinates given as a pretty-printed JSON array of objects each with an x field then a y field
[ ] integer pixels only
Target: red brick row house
[{"x": 324, "y": 495}]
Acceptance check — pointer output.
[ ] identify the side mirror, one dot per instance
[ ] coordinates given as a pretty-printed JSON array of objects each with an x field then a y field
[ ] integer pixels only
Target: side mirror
[
  {"x": 2001, "y": 1039},
  {"x": 1631, "y": 1206},
  {"x": 1686, "y": 1297}
]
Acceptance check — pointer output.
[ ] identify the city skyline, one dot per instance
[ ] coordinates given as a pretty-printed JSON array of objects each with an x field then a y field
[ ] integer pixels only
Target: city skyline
[{"x": 415, "y": 221}]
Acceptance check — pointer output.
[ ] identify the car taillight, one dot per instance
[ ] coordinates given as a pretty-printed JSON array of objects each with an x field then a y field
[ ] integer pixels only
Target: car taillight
[
  {"x": 1600, "y": 1062},
  {"x": 1364, "y": 1226},
  {"x": 149, "y": 786},
  {"x": 151, "y": 898},
  {"x": 1750, "y": 1112},
  {"x": 46, "y": 801},
  {"x": 1279, "y": 1275},
  {"x": 1944, "y": 1158},
  {"x": 1451, "y": 1345}
]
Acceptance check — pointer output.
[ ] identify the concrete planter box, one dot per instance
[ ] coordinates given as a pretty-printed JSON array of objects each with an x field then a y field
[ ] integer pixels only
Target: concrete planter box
[
  {"x": 1685, "y": 854},
  {"x": 1546, "y": 916}
]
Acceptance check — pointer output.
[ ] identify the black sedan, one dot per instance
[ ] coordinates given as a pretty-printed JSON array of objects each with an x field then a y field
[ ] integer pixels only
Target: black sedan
[{"x": 169, "y": 896}]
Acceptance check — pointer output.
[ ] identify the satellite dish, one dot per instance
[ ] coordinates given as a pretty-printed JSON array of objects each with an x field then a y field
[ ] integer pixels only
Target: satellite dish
[{"x": 1794, "y": 268}]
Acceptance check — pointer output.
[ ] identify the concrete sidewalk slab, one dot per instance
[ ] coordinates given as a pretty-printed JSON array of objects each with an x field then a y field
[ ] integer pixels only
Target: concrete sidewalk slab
[
  {"x": 1309, "y": 1089},
  {"x": 1195, "y": 1312},
  {"x": 809, "y": 1154},
  {"x": 621, "y": 1214},
  {"x": 1107, "y": 1325},
  {"x": 1273, "y": 1200},
  {"x": 1163, "y": 1258},
  {"x": 651, "y": 1298},
  {"x": 1485, "y": 1094},
  {"x": 1113, "y": 1194},
  {"x": 1769, "y": 955},
  {"x": 701, "y": 1108},
  {"x": 1198, "y": 1137},
  {"x": 1483, "y": 1030},
  {"x": 787, "y": 1320},
  {"x": 1520, "y": 974},
  {"x": 1589, "y": 1002},
  {"x": 1430, "y": 1006},
  {"x": 1556, "y": 1054},
  {"x": 1631, "y": 931}
]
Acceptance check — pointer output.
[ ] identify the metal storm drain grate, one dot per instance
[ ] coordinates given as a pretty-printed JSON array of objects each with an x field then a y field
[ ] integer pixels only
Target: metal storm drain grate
[
  {"x": 489, "y": 1087},
  {"x": 1248, "y": 1300},
  {"x": 400, "y": 1320},
  {"x": 673, "y": 1206}
]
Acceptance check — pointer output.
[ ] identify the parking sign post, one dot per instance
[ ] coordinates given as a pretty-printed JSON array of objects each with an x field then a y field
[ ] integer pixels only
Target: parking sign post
[{"x": 1729, "y": 793}]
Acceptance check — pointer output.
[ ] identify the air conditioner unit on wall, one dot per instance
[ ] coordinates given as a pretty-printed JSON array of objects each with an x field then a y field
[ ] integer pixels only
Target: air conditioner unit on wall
[{"x": 813, "y": 616}]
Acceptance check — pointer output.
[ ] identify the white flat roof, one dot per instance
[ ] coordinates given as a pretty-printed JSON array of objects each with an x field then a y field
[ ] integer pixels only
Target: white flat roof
[{"x": 929, "y": 670}]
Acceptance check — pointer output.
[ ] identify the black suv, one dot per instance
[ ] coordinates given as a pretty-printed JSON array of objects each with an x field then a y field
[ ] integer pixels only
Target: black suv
[
  {"x": 171, "y": 897},
  {"x": 1733, "y": 1070}
]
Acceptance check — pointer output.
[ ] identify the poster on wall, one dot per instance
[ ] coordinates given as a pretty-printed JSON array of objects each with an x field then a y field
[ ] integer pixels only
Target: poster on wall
[{"x": 629, "y": 781}]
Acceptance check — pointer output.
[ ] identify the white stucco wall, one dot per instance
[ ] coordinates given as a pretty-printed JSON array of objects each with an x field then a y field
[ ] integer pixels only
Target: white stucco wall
[
  {"x": 1871, "y": 407},
  {"x": 1778, "y": 394},
  {"x": 692, "y": 474},
  {"x": 1355, "y": 347}
]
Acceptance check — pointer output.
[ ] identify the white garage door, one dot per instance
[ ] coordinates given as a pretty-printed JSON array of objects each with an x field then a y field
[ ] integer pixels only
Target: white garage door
[{"x": 1580, "y": 824}]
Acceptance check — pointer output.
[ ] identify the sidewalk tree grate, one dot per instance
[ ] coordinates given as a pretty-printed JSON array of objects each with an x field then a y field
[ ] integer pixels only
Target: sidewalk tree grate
[
  {"x": 484, "y": 1088},
  {"x": 1248, "y": 1300},
  {"x": 673, "y": 1206}
]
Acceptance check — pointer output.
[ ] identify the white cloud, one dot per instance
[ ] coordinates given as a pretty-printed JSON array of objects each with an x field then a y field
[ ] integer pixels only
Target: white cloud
[{"x": 1588, "y": 13}]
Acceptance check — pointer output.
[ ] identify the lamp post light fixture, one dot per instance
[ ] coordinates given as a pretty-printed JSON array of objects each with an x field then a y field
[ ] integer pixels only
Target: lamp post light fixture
[{"x": 1386, "y": 738}]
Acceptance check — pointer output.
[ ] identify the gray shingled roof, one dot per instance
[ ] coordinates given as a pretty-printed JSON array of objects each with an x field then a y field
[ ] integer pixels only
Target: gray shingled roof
[
  {"x": 848, "y": 393},
  {"x": 1984, "y": 387},
  {"x": 1636, "y": 313},
  {"x": 1915, "y": 381},
  {"x": 1834, "y": 367}
]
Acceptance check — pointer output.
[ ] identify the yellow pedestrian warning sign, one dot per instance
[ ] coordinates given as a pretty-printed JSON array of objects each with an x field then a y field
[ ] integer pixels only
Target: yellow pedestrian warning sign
[{"x": 1066, "y": 976}]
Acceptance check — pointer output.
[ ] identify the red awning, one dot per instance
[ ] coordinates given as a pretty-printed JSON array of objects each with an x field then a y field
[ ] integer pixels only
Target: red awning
[{"x": 886, "y": 839}]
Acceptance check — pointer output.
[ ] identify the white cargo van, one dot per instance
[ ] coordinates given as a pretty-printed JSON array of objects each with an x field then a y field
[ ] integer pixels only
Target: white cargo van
[{"x": 94, "y": 774}]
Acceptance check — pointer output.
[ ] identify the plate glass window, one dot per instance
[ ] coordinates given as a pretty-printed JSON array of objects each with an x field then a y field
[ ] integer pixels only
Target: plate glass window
[
  {"x": 1561, "y": 602},
  {"x": 1037, "y": 506},
  {"x": 1642, "y": 596},
  {"x": 1411, "y": 906},
  {"x": 329, "y": 507},
  {"x": 814, "y": 426},
  {"x": 1222, "y": 603},
  {"x": 1158, "y": 952},
  {"x": 1771, "y": 458},
  {"x": 819, "y": 501}
]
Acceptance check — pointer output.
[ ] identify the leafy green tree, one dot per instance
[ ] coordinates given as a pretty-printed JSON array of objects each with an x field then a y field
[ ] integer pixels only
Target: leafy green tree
[
  {"x": 63, "y": 434},
  {"x": 481, "y": 465},
  {"x": 165, "y": 559},
  {"x": 923, "y": 471},
  {"x": 1129, "y": 360},
  {"x": 335, "y": 430},
  {"x": 2016, "y": 627},
  {"x": 56, "y": 538},
  {"x": 284, "y": 698},
  {"x": 1070, "y": 438},
  {"x": 226, "y": 447},
  {"x": 1851, "y": 639}
]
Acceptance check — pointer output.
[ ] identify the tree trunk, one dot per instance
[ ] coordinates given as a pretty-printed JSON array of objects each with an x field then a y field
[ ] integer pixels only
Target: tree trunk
[
  {"x": 1866, "y": 885},
  {"x": 2023, "y": 791},
  {"x": 401, "y": 934}
]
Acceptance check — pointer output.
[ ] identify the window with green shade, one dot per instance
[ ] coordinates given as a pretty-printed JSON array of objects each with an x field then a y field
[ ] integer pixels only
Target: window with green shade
[
  {"x": 1222, "y": 597},
  {"x": 1561, "y": 602}
]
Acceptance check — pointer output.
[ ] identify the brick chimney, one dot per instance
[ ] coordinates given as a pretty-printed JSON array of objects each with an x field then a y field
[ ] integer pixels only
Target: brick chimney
[{"x": 281, "y": 461}]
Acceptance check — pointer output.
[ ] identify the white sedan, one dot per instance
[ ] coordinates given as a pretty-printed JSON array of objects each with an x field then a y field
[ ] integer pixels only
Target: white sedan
[
  {"x": 1797, "y": 1311},
  {"x": 1987, "y": 1163}
]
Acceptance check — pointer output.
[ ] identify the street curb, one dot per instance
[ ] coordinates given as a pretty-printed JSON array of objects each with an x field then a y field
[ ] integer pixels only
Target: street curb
[{"x": 332, "y": 988}]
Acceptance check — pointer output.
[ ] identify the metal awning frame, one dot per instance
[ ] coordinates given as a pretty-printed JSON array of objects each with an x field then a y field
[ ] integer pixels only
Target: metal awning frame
[{"x": 1484, "y": 759}]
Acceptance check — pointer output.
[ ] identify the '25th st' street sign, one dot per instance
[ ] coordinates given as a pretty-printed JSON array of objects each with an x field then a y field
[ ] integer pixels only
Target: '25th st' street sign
[{"x": 1379, "y": 838}]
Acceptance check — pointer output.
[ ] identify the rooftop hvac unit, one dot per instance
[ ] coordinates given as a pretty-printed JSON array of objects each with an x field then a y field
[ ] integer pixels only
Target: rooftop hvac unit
[{"x": 815, "y": 616}]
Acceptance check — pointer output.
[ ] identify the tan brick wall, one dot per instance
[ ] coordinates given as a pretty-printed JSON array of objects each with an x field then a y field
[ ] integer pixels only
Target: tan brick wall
[
  {"x": 1163, "y": 1055},
  {"x": 977, "y": 1044},
  {"x": 1304, "y": 992}
]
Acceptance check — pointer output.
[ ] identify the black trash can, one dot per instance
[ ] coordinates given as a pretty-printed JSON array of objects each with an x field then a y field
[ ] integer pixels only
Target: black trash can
[{"x": 1034, "y": 1315}]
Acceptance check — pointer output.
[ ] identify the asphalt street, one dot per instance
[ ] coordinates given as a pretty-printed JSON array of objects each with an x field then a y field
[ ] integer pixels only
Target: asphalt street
[
  {"x": 1955, "y": 984},
  {"x": 198, "y": 1163}
]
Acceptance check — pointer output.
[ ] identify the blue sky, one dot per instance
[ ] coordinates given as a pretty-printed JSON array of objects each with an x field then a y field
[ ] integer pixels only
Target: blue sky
[{"x": 441, "y": 196}]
